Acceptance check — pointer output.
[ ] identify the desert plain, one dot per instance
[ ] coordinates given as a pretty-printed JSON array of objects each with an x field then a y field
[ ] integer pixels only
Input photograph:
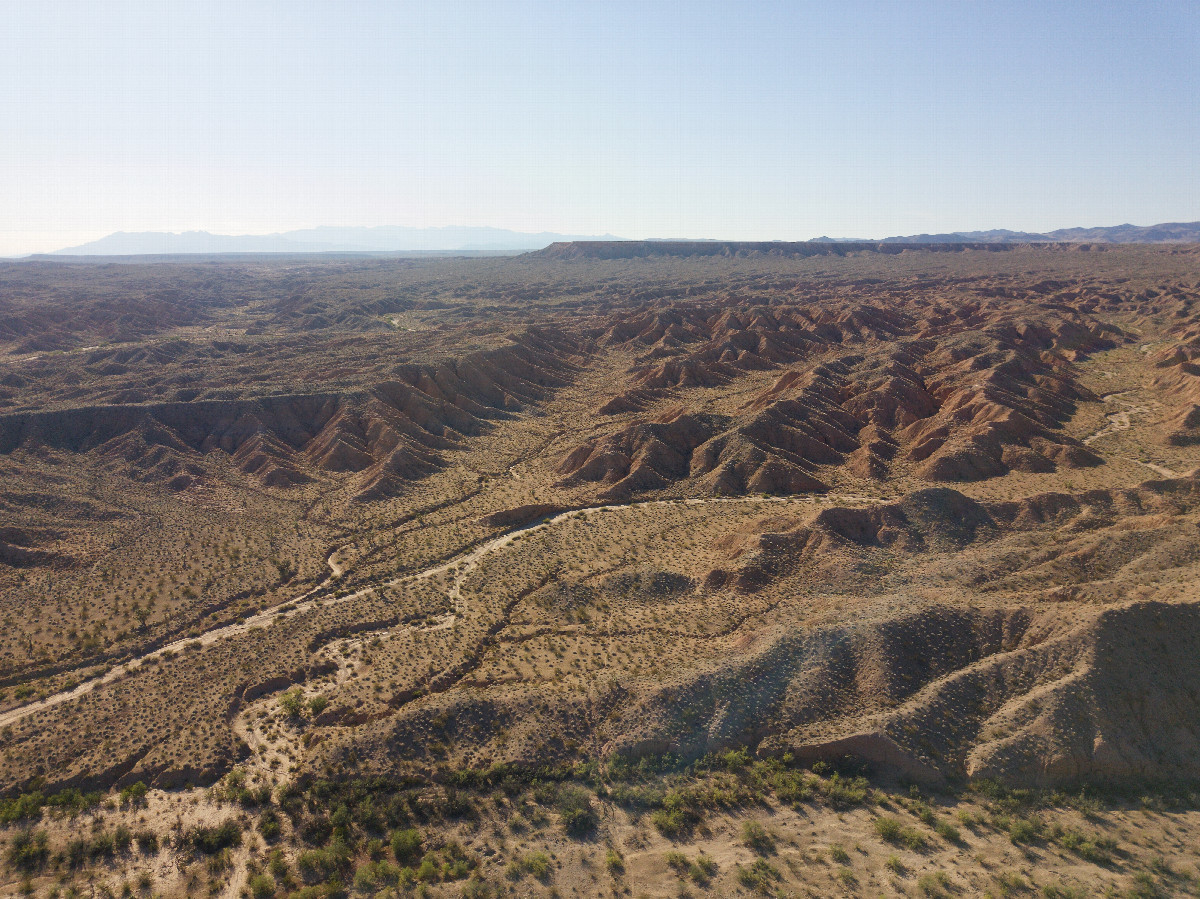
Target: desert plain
[{"x": 613, "y": 569}]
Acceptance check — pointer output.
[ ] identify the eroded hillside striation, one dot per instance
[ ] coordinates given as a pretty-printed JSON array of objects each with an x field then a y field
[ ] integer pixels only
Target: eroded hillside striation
[{"x": 931, "y": 509}]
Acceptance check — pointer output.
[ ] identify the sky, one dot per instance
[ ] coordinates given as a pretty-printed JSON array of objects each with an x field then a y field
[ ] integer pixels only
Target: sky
[{"x": 737, "y": 120}]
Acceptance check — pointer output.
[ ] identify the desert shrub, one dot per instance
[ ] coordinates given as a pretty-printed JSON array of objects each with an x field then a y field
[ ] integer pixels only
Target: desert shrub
[
  {"x": 316, "y": 830},
  {"x": 317, "y": 704},
  {"x": 323, "y": 864},
  {"x": 793, "y": 786},
  {"x": 262, "y": 886},
  {"x": 892, "y": 831},
  {"x": 28, "y": 850},
  {"x": 406, "y": 845},
  {"x": 677, "y": 862},
  {"x": 1144, "y": 887},
  {"x": 74, "y": 801},
  {"x": 735, "y": 759},
  {"x": 456, "y": 804},
  {"x": 536, "y": 864},
  {"x": 210, "y": 840},
  {"x": 428, "y": 871},
  {"x": 843, "y": 792},
  {"x": 1095, "y": 849},
  {"x": 476, "y": 888},
  {"x": 614, "y": 862},
  {"x": 370, "y": 876},
  {"x": 341, "y": 821},
  {"x": 1010, "y": 883},
  {"x": 672, "y": 822},
  {"x": 219, "y": 862},
  {"x": 102, "y": 845},
  {"x": 1023, "y": 830},
  {"x": 24, "y": 807},
  {"x": 122, "y": 838},
  {"x": 133, "y": 795},
  {"x": 839, "y": 855},
  {"x": 292, "y": 702},
  {"x": 75, "y": 853},
  {"x": 147, "y": 840},
  {"x": 935, "y": 884},
  {"x": 451, "y": 862},
  {"x": 758, "y": 876},
  {"x": 575, "y": 807},
  {"x": 269, "y": 826},
  {"x": 756, "y": 838},
  {"x": 947, "y": 832}
]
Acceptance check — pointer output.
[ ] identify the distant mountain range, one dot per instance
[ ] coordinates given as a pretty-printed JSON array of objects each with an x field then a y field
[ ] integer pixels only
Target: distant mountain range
[
  {"x": 324, "y": 240},
  {"x": 388, "y": 239},
  {"x": 1169, "y": 232}
]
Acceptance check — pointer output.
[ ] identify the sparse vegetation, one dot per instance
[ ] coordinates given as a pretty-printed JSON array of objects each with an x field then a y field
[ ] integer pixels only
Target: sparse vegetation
[{"x": 391, "y": 573}]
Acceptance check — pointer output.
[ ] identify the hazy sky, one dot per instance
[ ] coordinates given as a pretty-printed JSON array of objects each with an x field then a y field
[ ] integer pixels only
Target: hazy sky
[{"x": 644, "y": 119}]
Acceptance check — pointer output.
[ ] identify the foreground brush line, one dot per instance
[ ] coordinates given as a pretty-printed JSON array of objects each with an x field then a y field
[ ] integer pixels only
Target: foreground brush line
[
  {"x": 722, "y": 825},
  {"x": 674, "y": 530}
]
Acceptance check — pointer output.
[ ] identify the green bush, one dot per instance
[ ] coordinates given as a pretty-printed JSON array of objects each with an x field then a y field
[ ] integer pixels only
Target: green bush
[
  {"x": 758, "y": 876},
  {"x": 428, "y": 871},
  {"x": 278, "y": 865},
  {"x": 122, "y": 838},
  {"x": 1010, "y": 883},
  {"x": 935, "y": 885},
  {"x": 28, "y": 850},
  {"x": 756, "y": 838},
  {"x": 476, "y": 888},
  {"x": 25, "y": 806},
  {"x": 406, "y": 845},
  {"x": 269, "y": 826},
  {"x": 1095, "y": 849},
  {"x": 575, "y": 806},
  {"x": 892, "y": 831},
  {"x": 843, "y": 792},
  {"x": 677, "y": 862},
  {"x": 793, "y": 786},
  {"x": 147, "y": 840},
  {"x": 323, "y": 864},
  {"x": 262, "y": 886},
  {"x": 671, "y": 822},
  {"x": 75, "y": 853},
  {"x": 614, "y": 862},
  {"x": 534, "y": 863},
  {"x": 211, "y": 840},
  {"x": 948, "y": 832},
  {"x": 292, "y": 702},
  {"x": 1023, "y": 830},
  {"x": 102, "y": 845},
  {"x": 133, "y": 795}
]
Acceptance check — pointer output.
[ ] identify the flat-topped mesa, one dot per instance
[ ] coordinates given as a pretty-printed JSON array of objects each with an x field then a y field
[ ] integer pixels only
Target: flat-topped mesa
[{"x": 643, "y": 249}]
